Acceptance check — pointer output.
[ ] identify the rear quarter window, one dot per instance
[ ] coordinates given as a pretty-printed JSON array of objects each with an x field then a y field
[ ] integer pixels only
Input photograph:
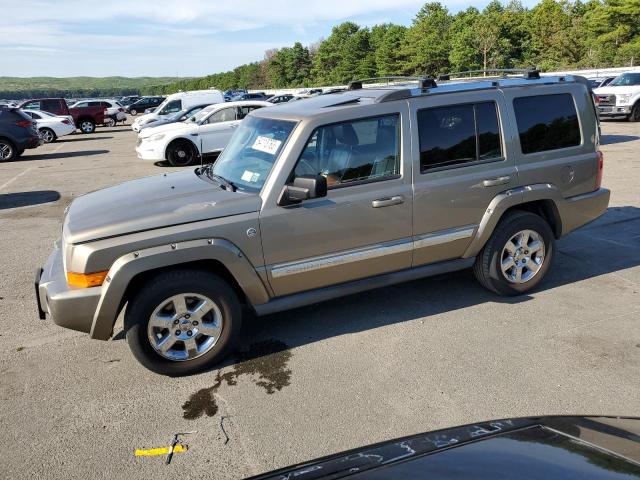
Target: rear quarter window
[{"x": 547, "y": 122}]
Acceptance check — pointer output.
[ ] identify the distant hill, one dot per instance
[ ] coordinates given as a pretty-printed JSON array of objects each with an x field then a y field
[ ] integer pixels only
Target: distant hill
[{"x": 16, "y": 88}]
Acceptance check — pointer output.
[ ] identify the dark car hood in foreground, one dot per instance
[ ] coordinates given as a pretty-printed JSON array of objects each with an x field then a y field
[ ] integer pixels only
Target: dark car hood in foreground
[
  {"x": 152, "y": 202},
  {"x": 541, "y": 448}
]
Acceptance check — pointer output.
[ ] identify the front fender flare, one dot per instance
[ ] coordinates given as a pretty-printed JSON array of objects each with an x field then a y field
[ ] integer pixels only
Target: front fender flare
[{"x": 125, "y": 268}]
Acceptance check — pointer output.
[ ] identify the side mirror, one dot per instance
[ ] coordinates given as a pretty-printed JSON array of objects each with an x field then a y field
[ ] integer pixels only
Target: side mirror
[{"x": 303, "y": 188}]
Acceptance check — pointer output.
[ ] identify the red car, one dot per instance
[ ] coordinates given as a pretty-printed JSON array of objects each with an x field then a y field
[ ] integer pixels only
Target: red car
[{"x": 85, "y": 118}]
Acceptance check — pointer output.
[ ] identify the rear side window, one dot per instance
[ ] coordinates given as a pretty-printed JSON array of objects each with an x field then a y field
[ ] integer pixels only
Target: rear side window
[
  {"x": 32, "y": 106},
  {"x": 48, "y": 105},
  {"x": 547, "y": 122},
  {"x": 458, "y": 134}
]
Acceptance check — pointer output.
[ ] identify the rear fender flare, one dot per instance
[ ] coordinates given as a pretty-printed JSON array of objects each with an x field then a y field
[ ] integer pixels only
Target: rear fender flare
[{"x": 502, "y": 202}]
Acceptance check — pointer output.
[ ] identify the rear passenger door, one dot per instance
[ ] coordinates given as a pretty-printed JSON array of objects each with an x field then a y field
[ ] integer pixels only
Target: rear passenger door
[{"x": 462, "y": 160}]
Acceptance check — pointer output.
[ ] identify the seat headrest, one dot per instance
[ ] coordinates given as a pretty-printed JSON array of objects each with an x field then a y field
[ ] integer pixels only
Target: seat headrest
[{"x": 346, "y": 134}]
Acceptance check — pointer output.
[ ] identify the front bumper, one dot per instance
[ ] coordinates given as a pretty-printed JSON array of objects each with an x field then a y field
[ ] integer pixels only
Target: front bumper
[
  {"x": 68, "y": 307},
  {"x": 150, "y": 151},
  {"x": 614, "y": 111}
]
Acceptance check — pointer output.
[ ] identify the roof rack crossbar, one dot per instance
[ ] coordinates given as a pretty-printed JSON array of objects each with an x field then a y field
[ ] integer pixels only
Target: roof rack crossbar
[
  {"x": 424, "y": 82},
  {"x": 528, "y": 73}
]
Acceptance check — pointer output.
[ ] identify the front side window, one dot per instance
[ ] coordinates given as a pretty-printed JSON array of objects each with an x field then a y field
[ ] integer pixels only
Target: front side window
[
  {"x": 224, "y": 115},
  {"x": 252, "y": 151},
  {"x": 547, "y": 122},
  {"x": 355, "y": 151},
  {"x": 458, "y": 134},
  {"x": 81, "y": 105}
]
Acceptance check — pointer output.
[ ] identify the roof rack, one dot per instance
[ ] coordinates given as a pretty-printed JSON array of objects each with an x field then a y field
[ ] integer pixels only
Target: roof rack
[
  {"x": 527, "y": 73},
  {"x": 424, "y": 82}
]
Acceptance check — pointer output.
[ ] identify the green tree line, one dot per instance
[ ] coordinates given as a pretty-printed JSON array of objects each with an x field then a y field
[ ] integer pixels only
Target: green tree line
[{"x": 553, "y": 35}]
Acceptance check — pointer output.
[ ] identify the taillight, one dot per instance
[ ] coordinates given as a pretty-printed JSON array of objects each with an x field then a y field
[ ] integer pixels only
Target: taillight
[
  {"x": 24, "y": 123},
  {"x": 596, "y": 99},
  {"x": 600, "y": 158},
  {"x": 121, "y": 109},
  {"x": 66, "y": 122}
]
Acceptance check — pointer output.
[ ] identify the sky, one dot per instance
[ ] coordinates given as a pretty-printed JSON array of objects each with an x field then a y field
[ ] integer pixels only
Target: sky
[{"x": 64, "y": 38}]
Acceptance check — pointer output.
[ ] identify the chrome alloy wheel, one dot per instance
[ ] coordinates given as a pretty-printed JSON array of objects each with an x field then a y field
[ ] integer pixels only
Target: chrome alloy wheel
[
  {"x": 185, "y": 326},
  {"x": 47, "y": 135},
  {"x": 522, "y": 256},
  {"x": 6, "y": 151}
]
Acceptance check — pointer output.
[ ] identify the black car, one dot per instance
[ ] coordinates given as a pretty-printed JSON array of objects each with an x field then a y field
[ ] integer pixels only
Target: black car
[
  {"x": 141, "y": 105},
  {"x": 17, "y": 133},
  {"x": 540, "y": 448},
  {"x": 129, "y": 99},
  {"x": 280, "y": 98}
]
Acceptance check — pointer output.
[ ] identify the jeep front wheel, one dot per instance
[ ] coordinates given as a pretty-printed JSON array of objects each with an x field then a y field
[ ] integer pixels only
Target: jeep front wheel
[
  {"x": 182, "y": 322},
  {"x": 518, "y": 254}
]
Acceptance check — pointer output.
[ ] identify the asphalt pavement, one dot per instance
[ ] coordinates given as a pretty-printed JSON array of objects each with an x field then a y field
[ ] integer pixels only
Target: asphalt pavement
[{"x": 429, "y": 354}]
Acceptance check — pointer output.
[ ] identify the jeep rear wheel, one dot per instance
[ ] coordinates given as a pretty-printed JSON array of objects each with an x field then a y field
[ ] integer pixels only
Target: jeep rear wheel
[
  {"x": 518, "y": 254},
  {"x": 183, "y": 322}
]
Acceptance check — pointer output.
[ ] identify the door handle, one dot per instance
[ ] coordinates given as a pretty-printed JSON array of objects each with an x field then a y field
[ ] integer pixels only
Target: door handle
[
  {"x": 387, "y": 202},
  {"x": 492, "y": 182}
]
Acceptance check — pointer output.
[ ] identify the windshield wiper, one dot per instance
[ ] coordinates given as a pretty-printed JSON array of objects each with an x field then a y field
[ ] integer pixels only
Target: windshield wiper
[{"x": 224, "y": 183}]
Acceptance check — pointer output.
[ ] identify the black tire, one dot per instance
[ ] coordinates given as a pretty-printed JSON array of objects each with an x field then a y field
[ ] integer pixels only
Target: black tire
[
  {"x": 87, "y": 126},
  {"x": 48, "y": 135},
  {"x": 487, "y": 267},
  {"x": 133, "y": 112},
  {"x": 176, "y": 282},
  {"x": 634, "y": 116},
  {"x": 181, "y": 153},
  {"x": 8, "y": 150},
  {"x": 110, "y": 122}
]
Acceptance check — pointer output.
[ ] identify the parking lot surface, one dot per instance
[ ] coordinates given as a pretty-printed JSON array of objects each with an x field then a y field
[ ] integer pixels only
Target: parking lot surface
[{"x": 429, "y": 354}]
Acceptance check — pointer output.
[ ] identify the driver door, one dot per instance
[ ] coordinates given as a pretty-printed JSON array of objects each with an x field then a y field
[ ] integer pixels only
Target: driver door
[{"x": 216, "y": 130}]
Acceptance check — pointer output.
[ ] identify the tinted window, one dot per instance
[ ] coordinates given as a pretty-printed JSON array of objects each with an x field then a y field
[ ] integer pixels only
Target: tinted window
[
  {"x": 48, "y": 105},
  {"x": 244, "y": 111},
  {"x": 353, "y": 151},
  {"x": 172, "y": 107},
  {"x": 547, "y": 122},
  {"x": 458, "y": 134},
  {"x": 32, "y": 106}
]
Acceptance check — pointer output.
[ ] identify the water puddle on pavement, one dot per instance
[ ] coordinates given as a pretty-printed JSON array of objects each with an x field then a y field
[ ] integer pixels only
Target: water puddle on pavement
[{"x": 266, "y": 363}]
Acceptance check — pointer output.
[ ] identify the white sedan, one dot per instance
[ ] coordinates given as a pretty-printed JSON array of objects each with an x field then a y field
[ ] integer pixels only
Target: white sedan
[
  {"x": 206, "y": 133},
  {"x": 51, "y": 126}
]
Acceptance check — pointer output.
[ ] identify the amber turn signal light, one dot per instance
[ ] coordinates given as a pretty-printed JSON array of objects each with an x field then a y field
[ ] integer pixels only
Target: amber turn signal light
[{"x": 86, "y": 280}]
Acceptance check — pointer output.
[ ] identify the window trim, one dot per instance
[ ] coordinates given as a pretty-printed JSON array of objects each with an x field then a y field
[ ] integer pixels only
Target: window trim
[
  {"x": 398, "y": 115},
  {"x": 542, "y": 152},
  {"x": 501, "y": 158}
]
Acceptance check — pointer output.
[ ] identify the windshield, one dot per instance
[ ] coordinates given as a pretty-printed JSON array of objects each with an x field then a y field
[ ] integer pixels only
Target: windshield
[
  {"x": 626, "y": 79},
  {"x": 252, "y": 151}
]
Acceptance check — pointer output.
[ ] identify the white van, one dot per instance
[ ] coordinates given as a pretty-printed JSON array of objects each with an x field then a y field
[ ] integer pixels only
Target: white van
[{"x": 180, "y": 101}]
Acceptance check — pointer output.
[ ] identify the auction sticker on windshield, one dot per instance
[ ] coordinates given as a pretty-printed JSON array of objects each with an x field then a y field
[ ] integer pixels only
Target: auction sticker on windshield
[
  {"x": 267, "y": 145},
  {"x": 248, "y": 176}
]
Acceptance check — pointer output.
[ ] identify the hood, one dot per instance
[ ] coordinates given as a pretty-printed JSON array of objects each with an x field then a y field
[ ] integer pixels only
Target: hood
[
  {"x": 152, "y": 202},
  {"x": 144, "y": 118},
  {"x": 166, "y": 127},
  {"x": 613, "y": 90}
]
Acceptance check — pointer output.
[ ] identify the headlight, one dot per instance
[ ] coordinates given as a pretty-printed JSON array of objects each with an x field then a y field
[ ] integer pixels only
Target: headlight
[
  {"x": 624, "y": 98},
  {"x": 156, "y": 137}
]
